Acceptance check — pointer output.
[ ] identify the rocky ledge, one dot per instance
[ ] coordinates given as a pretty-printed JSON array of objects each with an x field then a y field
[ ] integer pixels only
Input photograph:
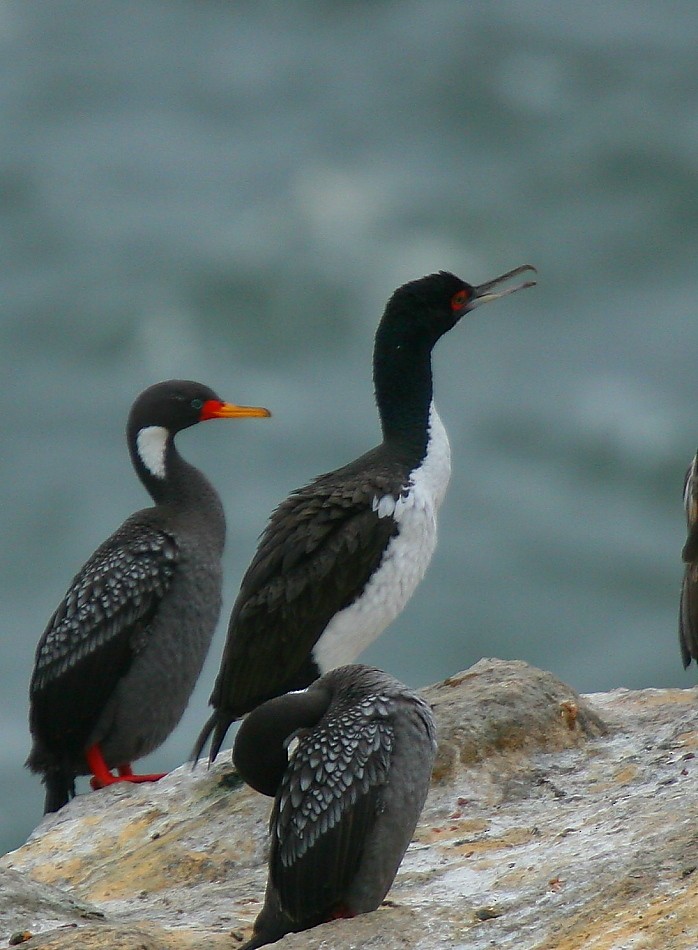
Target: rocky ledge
[{"x": 554, "y": 822}]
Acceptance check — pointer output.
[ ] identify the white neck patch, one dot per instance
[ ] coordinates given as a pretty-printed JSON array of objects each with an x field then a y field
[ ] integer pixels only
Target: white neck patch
[
  {"x": 404, "y": 560},
  {"x": 428, "y": 482},
  {"x": 150, "y": 444}
]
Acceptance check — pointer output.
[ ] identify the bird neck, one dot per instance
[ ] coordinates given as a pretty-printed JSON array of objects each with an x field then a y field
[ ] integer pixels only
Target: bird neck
[
  {"x": 169, "y": 478},
  {"x": 404, "y": 390},
  {"x": 261, "y": 745}
]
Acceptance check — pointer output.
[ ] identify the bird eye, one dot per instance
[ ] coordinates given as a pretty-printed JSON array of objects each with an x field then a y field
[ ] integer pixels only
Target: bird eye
[
  {"x": 459, "y": 300},
  {"x": 197, "y": 403}
]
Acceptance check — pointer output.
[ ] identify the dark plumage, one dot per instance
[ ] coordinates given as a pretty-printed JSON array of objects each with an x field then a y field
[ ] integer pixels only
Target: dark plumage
[
  {"x": 346, "y": 801},
  {"x": 120, "y": 656},
  {"x": 688, "y": 612},
  {"x": 340, "y": 558}
]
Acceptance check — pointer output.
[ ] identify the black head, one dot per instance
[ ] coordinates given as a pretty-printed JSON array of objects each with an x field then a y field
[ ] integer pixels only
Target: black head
[
  {"x": 260, "y": 753},
  {"x": 177, "y": 404},
  {"x": 163, "y": 410},
  {"x": 431, "y": 306}
]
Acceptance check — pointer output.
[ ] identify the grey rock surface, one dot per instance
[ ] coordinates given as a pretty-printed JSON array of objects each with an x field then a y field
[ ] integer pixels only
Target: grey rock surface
[{"x": 554, "y": 822}]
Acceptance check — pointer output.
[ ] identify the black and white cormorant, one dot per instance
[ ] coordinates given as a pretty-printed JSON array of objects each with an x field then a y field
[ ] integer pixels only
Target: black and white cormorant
[
  {"x": 119, "y": 658},
  {"x": 340, "y": 558},
  {"x": 688, "y": 611},
  {"x": 347, "y": 799}
]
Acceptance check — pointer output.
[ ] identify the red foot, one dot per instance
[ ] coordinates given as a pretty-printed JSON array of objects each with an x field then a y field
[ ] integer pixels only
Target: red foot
[
  {"x": 101, "y": 776},
  {"x": 340, "y": 912}
]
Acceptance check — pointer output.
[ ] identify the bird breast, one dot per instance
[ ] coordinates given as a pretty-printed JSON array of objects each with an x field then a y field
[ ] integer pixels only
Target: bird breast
[{"x": 404, "y": 561}]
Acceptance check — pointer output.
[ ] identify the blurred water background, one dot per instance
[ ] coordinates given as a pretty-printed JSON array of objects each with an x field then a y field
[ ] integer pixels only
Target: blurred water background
[{"x": 229, "y": 191}]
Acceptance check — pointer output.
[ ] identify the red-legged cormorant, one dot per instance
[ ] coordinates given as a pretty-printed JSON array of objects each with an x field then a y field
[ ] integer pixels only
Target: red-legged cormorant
[
  {"x": 346, "y": 801},
  {"x": 119, "y": 658}
]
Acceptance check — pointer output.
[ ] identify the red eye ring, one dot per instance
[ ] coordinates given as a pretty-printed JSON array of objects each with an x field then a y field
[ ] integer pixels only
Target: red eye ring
[{"x": 459, "y": 300}]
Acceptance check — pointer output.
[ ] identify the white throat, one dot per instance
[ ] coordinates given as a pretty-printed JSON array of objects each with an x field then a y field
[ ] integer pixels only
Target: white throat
[{"x": 150, "y": 445}]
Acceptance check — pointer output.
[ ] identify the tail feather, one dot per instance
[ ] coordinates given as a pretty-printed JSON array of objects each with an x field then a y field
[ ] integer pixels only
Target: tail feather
[
  {"x": 688, "y": 616},
  {"x": 271, "y": 923},
  {"x": 58, "y": 777},
  {"x": 216, "y": 726},
  {"x": 60, "y": 788}
]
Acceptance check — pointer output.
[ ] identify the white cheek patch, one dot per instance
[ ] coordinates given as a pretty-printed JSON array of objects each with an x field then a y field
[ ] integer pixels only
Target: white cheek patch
[{"x": 150, "y": 444}]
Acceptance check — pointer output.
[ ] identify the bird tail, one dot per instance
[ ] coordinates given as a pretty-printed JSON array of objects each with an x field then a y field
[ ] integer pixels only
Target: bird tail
[
  {"x": 60, "y": 788},
  {"x": 215, "y": 728},
  {"x": 271, "y": 923},
  {"x": 58, "y": 777},
  {"x": 688, "y": 617}
]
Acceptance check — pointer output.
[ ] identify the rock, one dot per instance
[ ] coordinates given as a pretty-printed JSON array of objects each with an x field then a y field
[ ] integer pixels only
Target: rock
[{"x": 554, "y": 822}]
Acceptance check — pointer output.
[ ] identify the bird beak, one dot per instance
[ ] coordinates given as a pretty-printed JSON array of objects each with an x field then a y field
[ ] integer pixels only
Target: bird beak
[
  {"x": 212, "y": 409},
  {"x": 483, "y": 293}
]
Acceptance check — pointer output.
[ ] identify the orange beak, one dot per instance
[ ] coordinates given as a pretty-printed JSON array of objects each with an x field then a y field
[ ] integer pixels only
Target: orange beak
[{"x": 213, "y": 409}]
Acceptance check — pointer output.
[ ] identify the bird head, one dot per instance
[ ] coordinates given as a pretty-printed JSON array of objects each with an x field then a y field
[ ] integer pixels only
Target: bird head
[{"x": 433, "y": 305}]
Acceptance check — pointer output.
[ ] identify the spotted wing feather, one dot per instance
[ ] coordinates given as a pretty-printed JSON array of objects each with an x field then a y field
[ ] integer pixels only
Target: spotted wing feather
[
  {"x": 97, "y": 629},
  {"x": 328, "y": 802}
]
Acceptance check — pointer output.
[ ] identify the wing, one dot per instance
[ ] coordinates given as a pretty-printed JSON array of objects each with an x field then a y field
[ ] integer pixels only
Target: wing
[
  {"x": 315, "y": 557},
  {"x": 327, "y": 805},
  {"x": 94, "y": 634}
]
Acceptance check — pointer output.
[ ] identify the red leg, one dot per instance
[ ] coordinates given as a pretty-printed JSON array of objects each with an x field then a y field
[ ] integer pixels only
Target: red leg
[
  {"x": 340, "y": 912},
  {"x": 127, "y": 775},
  {"x": 101, "y": 776}
]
